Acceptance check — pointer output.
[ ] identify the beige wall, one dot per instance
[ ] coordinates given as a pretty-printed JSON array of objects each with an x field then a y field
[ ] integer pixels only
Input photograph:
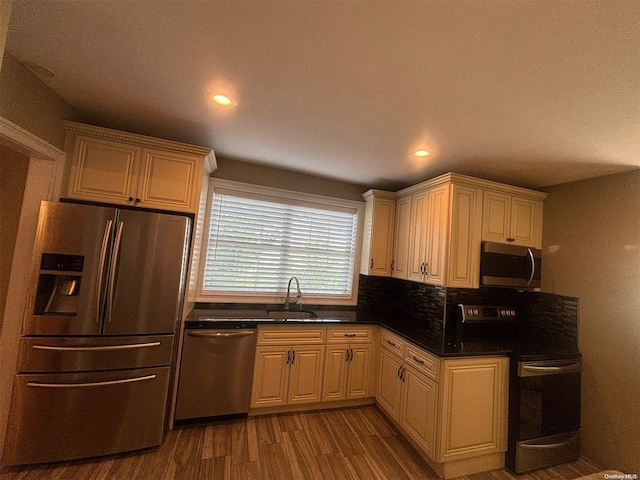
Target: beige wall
[
  {"x": 5, "y": 13},
  {"x": 30, "y": 104},
  {"x": 591, "y": 244},
  {"x": 286, "y": 179},
  {"x": 13, "y": 175}
]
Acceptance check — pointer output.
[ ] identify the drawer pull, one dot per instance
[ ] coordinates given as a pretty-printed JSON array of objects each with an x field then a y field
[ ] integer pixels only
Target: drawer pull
[
  {"x": 421, "y": 362},
  {"x": 391, "y": 343},
  {"x": 349, "y": 334}
]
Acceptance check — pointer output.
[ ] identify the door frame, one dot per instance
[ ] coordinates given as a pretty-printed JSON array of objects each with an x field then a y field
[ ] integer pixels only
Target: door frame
[{"x": 44, "y": 182}]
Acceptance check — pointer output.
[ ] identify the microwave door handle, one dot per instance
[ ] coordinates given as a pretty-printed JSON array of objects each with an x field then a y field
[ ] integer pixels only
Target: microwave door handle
[
  {"x": 101, "y": 262},
  {"x": 533, "y": 266}
]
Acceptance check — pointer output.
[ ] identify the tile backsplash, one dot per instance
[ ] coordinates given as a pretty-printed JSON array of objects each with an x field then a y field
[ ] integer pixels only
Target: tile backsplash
[{"x": 544, "y": 316}]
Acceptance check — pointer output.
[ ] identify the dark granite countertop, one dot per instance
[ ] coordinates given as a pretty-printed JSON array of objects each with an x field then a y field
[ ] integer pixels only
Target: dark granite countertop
[{"x": 220, "y": 318}]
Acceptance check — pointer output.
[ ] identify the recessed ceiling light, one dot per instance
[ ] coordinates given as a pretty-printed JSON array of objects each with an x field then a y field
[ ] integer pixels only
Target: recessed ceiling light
[
  {"x": 421, "y": 153},
  {"x": 222, "y": 100}
]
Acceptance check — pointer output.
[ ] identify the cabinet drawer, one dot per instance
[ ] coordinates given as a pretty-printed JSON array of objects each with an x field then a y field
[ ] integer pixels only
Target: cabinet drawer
[
  {"x": 422, "y": 361},
  {"x": 286, "y": 335},
  {"x": 349, "y": 335},
  {"x": 392, "y": 342}
]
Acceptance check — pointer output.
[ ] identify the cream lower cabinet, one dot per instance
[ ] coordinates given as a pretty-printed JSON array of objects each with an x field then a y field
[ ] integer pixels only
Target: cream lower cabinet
[
  {"x": 287, "y": 375},
  {"x": 288, "y": 366},
  {"x": 453, "y": 410},
  {"x": 348, "y": 363},
  {"x": 347, "y": 372}
]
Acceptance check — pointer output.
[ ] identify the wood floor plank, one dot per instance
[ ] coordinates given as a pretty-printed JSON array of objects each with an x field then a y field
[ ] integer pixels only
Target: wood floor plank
[
  {"x": 252, "y": 439},
  {"x": 358, "y": 423},
  {"x": 362, "y": 468},
  {"x": 290, "y": 422},
  {"x": 382, "y": 458},
  {"x": 239, "y": 442},
  {"x": 246, "y": 471},
  {"x": 120, "y": 466},
  {"x": 217, "y": 440},
  {"x": 333, "y": 467},
  {"x": 216, "y": 468},
  {"x": 186, "y": 455},
  {"x": 274, "y": 463},
  {"x": 381, "y": 424},
  {"x": 154, "y": 463},
  {"x": 268, "y": 430},
  {"x": 409, "y": 459},
  {"x": 342, "y": 434},
  {"x": 301, "y": 456},
  {"x": 318, "y": 433}
]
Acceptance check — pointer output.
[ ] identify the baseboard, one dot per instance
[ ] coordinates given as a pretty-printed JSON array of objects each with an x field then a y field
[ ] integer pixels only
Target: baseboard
[{"x": 306, "y": 407}]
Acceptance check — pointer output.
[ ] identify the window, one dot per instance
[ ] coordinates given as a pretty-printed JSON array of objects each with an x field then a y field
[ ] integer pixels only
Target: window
[{"x": 257, "y": 238}]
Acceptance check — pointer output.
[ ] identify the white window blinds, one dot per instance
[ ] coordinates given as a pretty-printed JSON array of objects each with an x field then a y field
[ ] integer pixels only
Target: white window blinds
[{"x": 256, "y": 243}]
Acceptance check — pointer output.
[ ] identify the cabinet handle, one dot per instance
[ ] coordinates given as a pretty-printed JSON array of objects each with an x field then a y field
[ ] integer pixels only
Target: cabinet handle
[
  {"x": 371, "y": 263},
  {"x": 422, "y": 268},
  {"x": 393, "y": 262},
  {"x": 349, "y": 334},
  {"x": 399, "y": 369},
  {"x": 137, "y": 200},
  {"x": 421, "y": 362},
  {"x": 402, "y": 369},
  {"x": 391, "y": 343},
  {"x": 293, "y": 357},
  {"x": 426, "y": 268},
  {"x": 288, "y": 357},
  {"x": 511, "y": 240},
  {"x": 130, "y": 199}
]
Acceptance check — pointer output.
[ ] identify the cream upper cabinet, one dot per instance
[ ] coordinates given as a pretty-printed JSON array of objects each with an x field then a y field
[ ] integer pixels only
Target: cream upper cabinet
[
  {"x": 508, "y": 218},
  {"x": 120, "y": 168},
  {"x": 418, "y": 230},
  {"x": 400, "y": 261},
  {"x": 377, "y": 239},
  {"x": 474, "y": 402}
]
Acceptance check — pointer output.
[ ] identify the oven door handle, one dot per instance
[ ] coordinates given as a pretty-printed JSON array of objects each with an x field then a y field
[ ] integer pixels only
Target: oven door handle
[
  {"x": 542, "y": 446},
  {"x": 525, "y": 370}
]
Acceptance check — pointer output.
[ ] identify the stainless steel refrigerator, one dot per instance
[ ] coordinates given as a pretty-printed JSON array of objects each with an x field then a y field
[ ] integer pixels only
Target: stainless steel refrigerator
[{"x": 98, "y": 334}]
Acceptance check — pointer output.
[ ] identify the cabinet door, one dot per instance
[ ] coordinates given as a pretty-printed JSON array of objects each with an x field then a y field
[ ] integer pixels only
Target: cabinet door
[
  {"x": 418, "y": 236},
  {"x": 103, "y": 171},
  {"x": 305, "y": 379},
  {"x": 474, "y": 407},
  {"x": 524, "y": 222},
  {"x": 437, "y": 236},
  {"x": 389, "y": 384},
  {"x": 496, "y": 210},
  {"x": 464, "y": 245},
  {"x": 382, "y": 237},
  {"x": 270, "y": 378},
  {"x": 418, "y": 411},
  {"x": 335, "y": 373},
  {"x": 359, "y": 372},
  {"x": 401, "y": 238},
  {"x": 168, "y": 181}
]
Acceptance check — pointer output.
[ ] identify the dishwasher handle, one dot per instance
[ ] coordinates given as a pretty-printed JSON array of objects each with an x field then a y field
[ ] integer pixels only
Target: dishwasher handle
[{"x": 220, "y": 333}]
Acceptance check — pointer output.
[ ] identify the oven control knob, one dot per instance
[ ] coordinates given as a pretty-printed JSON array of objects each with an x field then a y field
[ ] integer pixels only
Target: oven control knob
[
  {"x": 475, "y": 311},
  {"x": 503, "y": 312},
  {"x": 513, "y": 313},
  {"x": 470, "y": 311}
]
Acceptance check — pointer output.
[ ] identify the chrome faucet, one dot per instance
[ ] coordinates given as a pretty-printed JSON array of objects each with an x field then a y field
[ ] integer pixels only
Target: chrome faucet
[{"x": 287, "y": 302}]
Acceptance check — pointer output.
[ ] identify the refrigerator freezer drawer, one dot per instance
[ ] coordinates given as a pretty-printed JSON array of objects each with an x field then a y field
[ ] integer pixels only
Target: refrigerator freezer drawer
[
  {"x": 75, "y": 415},
  {"x": 84, "y": 354}
]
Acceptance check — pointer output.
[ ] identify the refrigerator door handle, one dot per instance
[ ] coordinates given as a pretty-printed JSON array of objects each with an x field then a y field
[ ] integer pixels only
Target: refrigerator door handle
[
  {"x": 96, "y": 348},
  {"x": 103, "y": 256},
  {"x": 90, "y": 384},
  {"x": 112, "y": 270}
]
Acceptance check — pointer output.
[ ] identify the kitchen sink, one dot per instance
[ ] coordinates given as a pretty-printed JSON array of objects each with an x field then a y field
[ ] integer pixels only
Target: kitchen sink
[{"x": 291, "y": 314}]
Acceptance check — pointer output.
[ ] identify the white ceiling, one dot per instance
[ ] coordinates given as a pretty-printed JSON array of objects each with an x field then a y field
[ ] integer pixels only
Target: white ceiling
[{"x": 532, "y": 93}]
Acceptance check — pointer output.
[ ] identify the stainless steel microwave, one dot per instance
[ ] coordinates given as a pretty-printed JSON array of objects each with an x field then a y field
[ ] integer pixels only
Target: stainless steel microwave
[{"x": 503, "y": 265}]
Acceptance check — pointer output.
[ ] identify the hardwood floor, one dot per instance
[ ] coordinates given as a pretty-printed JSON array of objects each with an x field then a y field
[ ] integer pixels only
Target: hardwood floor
[{"x": 355, "y": 443}]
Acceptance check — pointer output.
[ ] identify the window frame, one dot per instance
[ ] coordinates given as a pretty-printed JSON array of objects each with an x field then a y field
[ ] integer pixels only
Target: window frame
[{"x": 283, "y": 196}]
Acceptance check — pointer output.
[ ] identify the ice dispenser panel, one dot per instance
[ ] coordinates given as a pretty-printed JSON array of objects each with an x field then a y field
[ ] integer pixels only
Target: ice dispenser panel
[{"x": 59, "y": 284}]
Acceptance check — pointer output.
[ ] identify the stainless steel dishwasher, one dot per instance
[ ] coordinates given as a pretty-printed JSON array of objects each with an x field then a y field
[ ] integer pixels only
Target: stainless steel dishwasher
[{"x": 216, "y": 370}]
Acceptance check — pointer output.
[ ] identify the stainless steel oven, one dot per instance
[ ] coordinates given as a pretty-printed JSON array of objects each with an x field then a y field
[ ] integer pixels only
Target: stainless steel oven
[{"x": 544, "y": 413}]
